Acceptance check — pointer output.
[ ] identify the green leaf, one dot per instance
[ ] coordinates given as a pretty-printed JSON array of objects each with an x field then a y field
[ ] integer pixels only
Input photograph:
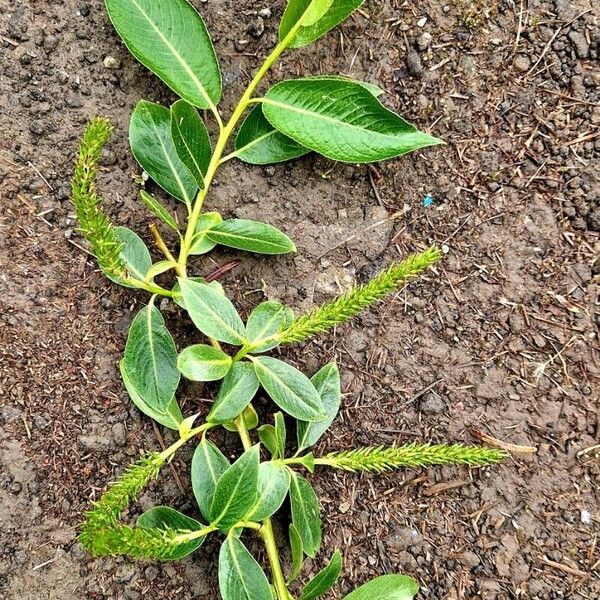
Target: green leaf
[
  {"x": 327, "y": 383},
  {"x": 259, "y": 143},
  {"x": 191, "y": 139},
  {"x": 280, "y": 434},
  {"x": 208, "y": 465},
  {"x": 171, "y": 417},
  {"x": 323, "y": 581},
  {"x": 268, "y": 438},
  {"x": 387, "y": 587},
  {"x": 154, "y": 148},
  {"x": 177, "y": 289},
  {"x": 306, "y": 514},
  {"x": 317, "y": 17},
  {"x": 249, "y": 417},
  {"x": 266, "y": 320},
  {"x": 150, "y": 359},
  {"x": 158, "y": 210},
  {"x": 297, "y": 553},
  {"x": 200, "y": 243},
  {"x": 158, "y": 268},
  {"x": 236, "y": 491},
  {"x": 236, "y": 392},
  {"x": 341, "y": 120},
  {"x": 273, "y": 486},
  {"x": 251, "y": 236},
  {"x": 290, "y": 389},
  {"x": 203, "y": 363},
  {"x": 134, "y": 255},
  {"x": 165, "y": 517},
  {"x": 170, "y": 39},
  {"x": 240, "y": 576},
  {"x": 212, "y": 312}
]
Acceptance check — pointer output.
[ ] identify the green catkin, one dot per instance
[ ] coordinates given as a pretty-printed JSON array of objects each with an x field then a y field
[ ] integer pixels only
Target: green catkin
[
  {"x": 94, "y": 224},
  {"x": 348, "y": 305},
  {"x": 102, "y": 534},
  {"x": 379, "y": 459}
]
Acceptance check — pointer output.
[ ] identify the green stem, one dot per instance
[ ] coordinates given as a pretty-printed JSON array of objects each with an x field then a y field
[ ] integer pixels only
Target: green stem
[
  {"x": 266, "y": 530},
  {"x": 224, "y": 135},
  {"x": 170, "y": 451},
  {"x": 149, "y": 287}
]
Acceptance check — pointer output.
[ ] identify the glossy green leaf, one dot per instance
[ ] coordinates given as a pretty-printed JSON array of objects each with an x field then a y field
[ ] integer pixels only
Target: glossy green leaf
[
  {"x": 266, "y": 320},
  {"x": 208, "y": 464},
  {"x": 150, "y": 359},
  {"x": 341, "y": 120},
  {"x": 158, "y": 210},
  {"x": 154, "y": 149},
  {"x": 236, "y": 392},
  {"x": 251, "y": 236},
  {"x": 273, "y": 486},
  {"x": 165, "y": 517},
  {"x": 200, "y": 243},
  {"x": 170, "y": 417},
  {"x": 236, "y": 491},
  {"x": 240, "y": 576},
  {"x": 327, "y": 383},
  {"x": 290, "y": 389},
  {"x": 297, "y": 553},
  {"x": 170, "y": 39},
  {"x": 387, "y": 587},
  {"x": 316, "y": 18},
  {"x": 323, "y": 581},
  {"x": 134, "y": 254},
  {"x": 212, "y": 312},
  {"x": 191, "y": 139},
  {"x": 201, "y": 362},
  {"x": 306, "y": 515},
  {"x": 259, "y": 143}
]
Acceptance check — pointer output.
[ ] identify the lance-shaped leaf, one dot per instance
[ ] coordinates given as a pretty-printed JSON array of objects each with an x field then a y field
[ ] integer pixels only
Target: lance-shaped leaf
[
  {"x": 290, "y": 389},
  {"x": 191, "y": 139},
  {"x": 167, "y": 518},
  {"x": 158, "y": 210},
  {"x": 212, "y": 312},
  {"x": 170, "y": 39},
  {"x": 236, "y": 491},
  {"x": 323, "y": 581},
  {"x": 236, "y": 392},
  {"x": 341, "y": 120},
  {"x": 251, "y": 236},
  {"x": 134, "y": 255},
  {"x": 259, "y": 143},
  {"x": 208, "y": 465},
  {"x": 273, "y": 486},
  {"x": 153, "y": 147},
  {"x": 200, "y": 243},
  {"x": 240, "y": 576},
  {"x": 266, "y": 320},
  {"x": 387, "y": 587},
  {"x": 316, "y": 18},
  {"x": 327, "y": 383},
  {"x": 306, "y": 515},
  {"x": 297, "y": 553},
  {"x": 203, "y": 363},
  {"x": 170, "y": 417},
  {"x": 150, "y": 359}
]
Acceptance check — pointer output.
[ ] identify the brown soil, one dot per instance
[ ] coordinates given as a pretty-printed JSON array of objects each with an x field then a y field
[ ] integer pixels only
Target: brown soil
[{"x": 502, "y": 338}]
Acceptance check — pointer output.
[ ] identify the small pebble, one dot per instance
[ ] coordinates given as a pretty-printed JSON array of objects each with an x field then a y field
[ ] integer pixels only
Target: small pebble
[{"x": 110, "y": 62}]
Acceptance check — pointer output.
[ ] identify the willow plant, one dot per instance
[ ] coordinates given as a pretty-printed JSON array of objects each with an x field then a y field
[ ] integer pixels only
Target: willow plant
[{"x": 334, "y": 116}]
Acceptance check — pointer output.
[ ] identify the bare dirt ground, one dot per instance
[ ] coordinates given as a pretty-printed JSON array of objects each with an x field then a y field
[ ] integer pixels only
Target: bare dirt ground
[{"x": 502, "y": 338}]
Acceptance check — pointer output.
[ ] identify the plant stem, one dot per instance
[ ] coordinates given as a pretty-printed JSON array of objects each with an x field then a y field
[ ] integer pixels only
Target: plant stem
[
  {"x": 266, "y": 530},
  {"x": 224, "y": 135},
  {"x": 168, "y": 452}
]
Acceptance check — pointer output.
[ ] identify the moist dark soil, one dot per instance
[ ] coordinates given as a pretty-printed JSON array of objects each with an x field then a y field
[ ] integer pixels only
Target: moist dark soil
[{"x": 501, "y": 339}]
